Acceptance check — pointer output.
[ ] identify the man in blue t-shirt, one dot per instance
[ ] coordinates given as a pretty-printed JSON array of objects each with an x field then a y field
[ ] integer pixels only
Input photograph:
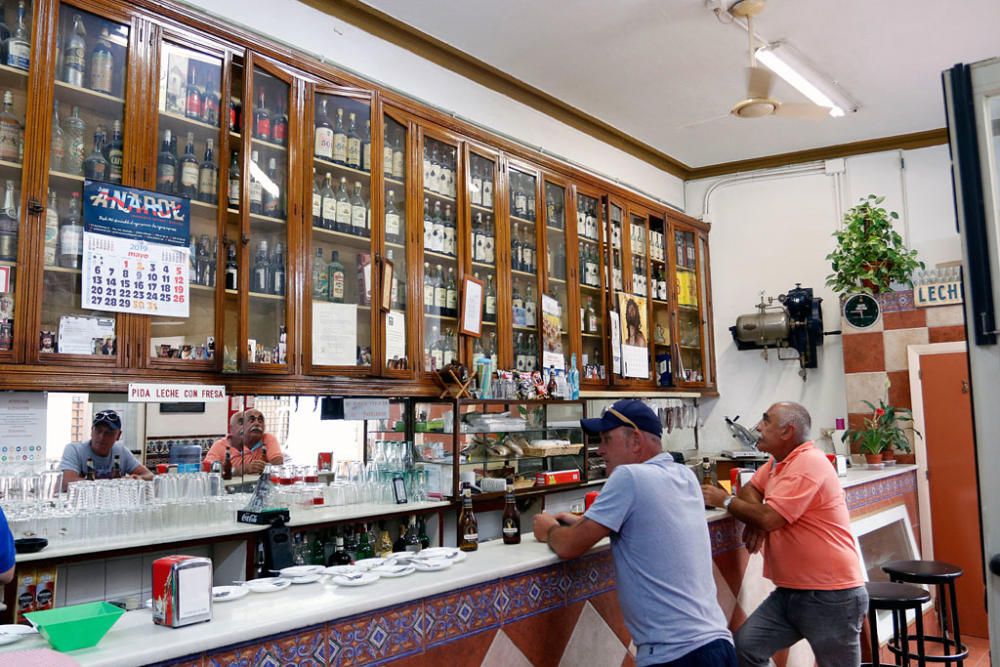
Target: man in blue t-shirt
[
  {"x": 6, "y": 551},
  {"x": 102, "y": 448},
  {"x": 653, "y": 510}
]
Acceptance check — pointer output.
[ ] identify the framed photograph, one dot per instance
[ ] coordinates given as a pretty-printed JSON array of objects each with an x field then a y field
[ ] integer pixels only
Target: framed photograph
[
  {"x": 399, "y": 490},
  {"x": 388, "y": 271},
  {"x": 471, "y": 320}
]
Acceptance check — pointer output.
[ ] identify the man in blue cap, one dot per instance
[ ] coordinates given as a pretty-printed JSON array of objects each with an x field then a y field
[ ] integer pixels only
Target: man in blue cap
[
  {"x": 103, "y": 450},
  {"x": 653, "y": 510}
]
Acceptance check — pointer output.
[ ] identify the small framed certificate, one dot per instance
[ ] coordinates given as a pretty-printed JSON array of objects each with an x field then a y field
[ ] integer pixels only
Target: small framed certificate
[
  {"x": 388, "y": 271},
  {"x": 472, "y": 307}
]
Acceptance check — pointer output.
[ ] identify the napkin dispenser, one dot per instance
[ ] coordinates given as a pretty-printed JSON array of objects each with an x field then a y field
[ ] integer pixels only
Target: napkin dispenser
[{"x": 182, "y": 590}]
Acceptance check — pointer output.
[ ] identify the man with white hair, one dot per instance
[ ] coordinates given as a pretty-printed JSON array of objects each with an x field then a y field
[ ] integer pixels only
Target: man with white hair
[{"x": 794, "y": 509}]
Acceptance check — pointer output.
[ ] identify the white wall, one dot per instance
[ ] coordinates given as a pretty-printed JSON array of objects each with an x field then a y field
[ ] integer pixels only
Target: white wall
[
  {"x": 771, "y": 232},
  {"x": 312, "y": 31},
  {"x": 213, "y": 421}
]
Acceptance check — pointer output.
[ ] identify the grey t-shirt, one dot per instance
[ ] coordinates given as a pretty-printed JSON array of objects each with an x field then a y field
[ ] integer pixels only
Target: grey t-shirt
[
  {"x": 76, "y": 454},
  {"x": 663, "y": 558}
]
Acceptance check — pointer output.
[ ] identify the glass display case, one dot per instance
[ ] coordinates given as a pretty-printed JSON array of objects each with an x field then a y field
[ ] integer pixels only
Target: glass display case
[
  {"x": 659, "y": 293},
  {"x": 689, "y": 365},
  {"x": 525, "y": 284},
  {"x": 482, "y": 247},
  {"x": 395, "y": 140},
  {"x": 592, "y": 284},
  {"x": 556, "y": 325}
]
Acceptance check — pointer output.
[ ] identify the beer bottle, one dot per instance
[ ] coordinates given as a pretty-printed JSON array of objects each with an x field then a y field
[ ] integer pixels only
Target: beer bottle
[
  {"x": 116, "y": 468},
  {"x": 91, "y": 473},
  {"x": 468, "y": 525},
  {"x": 511, "y": 521},
  {"x": 227, "y": 466}
]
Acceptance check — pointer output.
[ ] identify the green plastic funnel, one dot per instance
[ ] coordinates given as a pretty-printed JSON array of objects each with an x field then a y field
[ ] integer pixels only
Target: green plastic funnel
[{"x": 75, "y": 627}]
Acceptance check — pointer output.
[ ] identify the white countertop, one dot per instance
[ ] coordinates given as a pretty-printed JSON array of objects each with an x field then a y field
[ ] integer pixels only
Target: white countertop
[
  {"x": 135, "y": 640},
  {"x": 859, "y": 474}
]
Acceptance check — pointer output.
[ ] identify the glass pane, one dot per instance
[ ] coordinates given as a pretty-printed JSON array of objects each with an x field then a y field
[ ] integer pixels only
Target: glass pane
[
  {"x": 440, "y": 281},
  {"x": 556, "y": 268},
  {"x": 704, "y": 375},
  {"x": 190, "y": 86},
  {"x": 689, "y": 368},
  {"x": 524, "y": 270},
  {"x": 615, "y": 262},
  {"x": 482, "y": 244},
  {"x": 341, "y": 257},
  {"x": 394, "y": 170},
  {"x": 659, "y": 295},
  {"x": 588, "y": 224},
  {"x": 14, "y": 81},
  {"x": 637, "y": 243},
  {"x": 230, "y": 249},
  {"x": 268, "y": 167},
  {"x": 89, "y": 103}
]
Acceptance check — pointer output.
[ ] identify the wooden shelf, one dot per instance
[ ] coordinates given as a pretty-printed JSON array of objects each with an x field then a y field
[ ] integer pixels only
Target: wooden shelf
[
  {"x": 514, "y": 218},
  {"x": 197, "y": 203},
  {"x": 267, "y": 144},
  {"x": 343, "y": 168},
  {"x": 398, "y": 246},
  {"x": 660, "y": 301},
  {"x": 690, "y": 309},
  {"x": 106, "y": 105},
  {"x": 477, "y": 207},
  {"x": 587, "y": 239},
  {"x": 590, "y": 335},
  {"x": 684, "y": 269},
  {"x": 67, "y": 180},
  {"x": 518, "y": 327},
  {"x": 480, "y": 265},
  {"x": 173, "y": 121},
  {"x": 63, "y": 270},
  {"x": 557, "y": 230},
  {"x": 11, "y": 170},
  {"x": 439, "y": 255},
  {"x": 393, "y": 181},
  {"x": 353, "y": 240},
  {"x": 12, "y": 77},
  {"x": 590, "y": 288},
  {"x": 447, "y": 318},
  {"x": 523, "y": 273},
  {"x": 267, "y": 219},
  {"x": 553, "y": 279}
]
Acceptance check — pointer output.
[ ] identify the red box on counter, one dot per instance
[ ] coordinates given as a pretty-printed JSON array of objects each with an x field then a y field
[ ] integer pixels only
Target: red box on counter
[
  {"x": 182, "y": 590},
  {"x": 324, "y": 461},
  {"x": 557, "y": 477}
]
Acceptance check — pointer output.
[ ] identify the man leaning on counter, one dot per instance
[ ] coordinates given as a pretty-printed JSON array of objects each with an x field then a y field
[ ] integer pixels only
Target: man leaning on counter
[
  {"x": 250, "y": 447},
  {"x": 104, "y": 450}
]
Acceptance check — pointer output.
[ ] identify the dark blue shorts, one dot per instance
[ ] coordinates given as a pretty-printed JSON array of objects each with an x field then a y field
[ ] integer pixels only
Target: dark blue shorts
[{"x": 718, "y": 653}]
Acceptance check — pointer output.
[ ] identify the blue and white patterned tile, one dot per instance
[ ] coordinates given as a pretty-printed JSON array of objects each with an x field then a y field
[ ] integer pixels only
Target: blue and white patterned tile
[
  {"x": 534, "y": 592},
  {"x": 305, "y": 648},
  {"x": 590, "y": 575},
  {"x": 725, "y": 534},
  {"x": 862, "y": 495},
  {"x": 239, "y": 657},
  {"x": 376, "y": 637},
  {"x": 462, "y": 612}
]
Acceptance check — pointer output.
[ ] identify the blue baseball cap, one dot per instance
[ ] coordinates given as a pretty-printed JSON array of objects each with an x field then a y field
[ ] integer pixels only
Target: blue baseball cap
[
  {"x": 109, "y": 418},
  {"x": 626, "y": 412}
]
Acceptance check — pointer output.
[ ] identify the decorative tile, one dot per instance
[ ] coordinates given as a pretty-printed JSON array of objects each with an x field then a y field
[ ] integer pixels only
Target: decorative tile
[
  {"x": 889, "y": 488},
  {"x": 724, "y": 594},
  {"x": 186, "y": 661},
  {"x": 893, "y": 302},
  {"x": 896, "y": 344},
  {"x": 949, "y": 334},
  {"x": 864, "y": 386},
  {"x": 593, "y": 643},
  {"x": 590, "y": 575},
  {"x": 850, "y": 330},
  {"x": 542, "y": 638},
  {"x": 239, "y": 657},
  {"x": 863, "y": 353},
  {"x": 725, "y": 535},
  {"x": 462, "y": 612},
  {"x": 305, "y": 647},
  {"x": 906, "y": 319},
  {"x": 607, "y": 605},
  {"x": 533, "y": 592},
  {"x": 945, "y": 316},
  {"x": 377, "y": 636},
  {"x": 899, "y": 389},
  {"x": 503, "y": 653},
  {"x": 470, "y": 650}
]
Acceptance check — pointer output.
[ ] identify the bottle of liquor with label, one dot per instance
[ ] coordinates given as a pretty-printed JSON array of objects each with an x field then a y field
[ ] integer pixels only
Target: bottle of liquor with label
[
  {"x": 387, "y": 142},
  {"x": 488, "y": 187},
  {"x": 329, "y": 205},
  {"x": 11, "y": 131},
  {"x": 74, "y": 141},
  {"x": 511, "y": 521},
  {"x": 400, "y": 543},
  {"x": 359, "y": 212},
  {"x": 189, "y": 168},
  {"x": 317, "y": 202},
  {"x": 193, "y": 99},
  {"x": 279, "y": 124},
  {"x": 428, "y": 290},
  {"x": 490, "y": 306},
  {"x": 365, "y": 549},
  {"x": 428, "y": 225},
  {"x": 384, "y": 547},
  {"x": 353, "y": 143},
  {"x": 208, "y": 175},
  {"x": 449, "y": 245},
  {"x": 366, "y": 147},
  {"x": 323, "y": 143},
  {"x": 398, "y": 157},
  {"x": 320, "y": 286},
  {"x": 71, "y": 235},
  {"x": 468, "y": 526},
  {"x": 392, "y": 222},
  {"x": 261, "y": 120},
  {"x": 95, "y": 167},
  {"x": 115, "y": 154},
  {"x": 412, "y": 536},
  {"x": 232, "y": 275},
  {"x": 340, "y": 555},
  {"x": 530, "y": 307},
  {"x": 451, "y": 293},
  {"x": 440, "y": 292},
  {"x": 259, "y": 278},
  {"x": 227, "y": 465},
  {"x": 75, "y": 53},
  {"x": 271, "y": 196},
  {"x": 256, "y": 187},
  {"x": 425, "y": 540},
  {"x": 57, "y": 153},
  {"x": 476, "y": 187},
  {"x": 52, "y": 231},
  {"x": 8, "y": 224},
  {"x": 277, "y": 275},
  {"x": 166, "y": 166},
  {"x": 102, "y": 64},
  {"x": 91, "y": 473},
  {"x": 336, "y": 278},
  {"x": 116, "y": 467},
  {"x": 234, "y": 190},
  {"x": 339, "y": 139}
]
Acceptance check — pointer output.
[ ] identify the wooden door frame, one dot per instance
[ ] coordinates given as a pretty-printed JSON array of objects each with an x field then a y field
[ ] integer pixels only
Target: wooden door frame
[{"x": 914, "y": 355}]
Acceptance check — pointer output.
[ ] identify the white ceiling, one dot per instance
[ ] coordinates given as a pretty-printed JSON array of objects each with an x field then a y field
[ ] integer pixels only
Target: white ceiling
[{"x": 649, "y": 67}]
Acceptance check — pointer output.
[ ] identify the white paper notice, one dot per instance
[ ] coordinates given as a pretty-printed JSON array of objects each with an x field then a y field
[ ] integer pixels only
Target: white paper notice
[
  {"x": 616, "y": 343},
  {"x": 22, "y": 422},
  {"x": 395, "y": 335},
  {"x": 635, "y": 360},
  {"x": 77, "y": 334},
  {"x": 472, "y": 307},
  {"x": 194, "y": 592},
  {"x": 334, "y": 334}
]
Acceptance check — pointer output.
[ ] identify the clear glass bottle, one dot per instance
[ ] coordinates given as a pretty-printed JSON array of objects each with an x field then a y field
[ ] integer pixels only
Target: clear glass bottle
[
  {"x": 11, "y": 130},
  {"x": 189, "y": 168},
  {"x": 393, "y": 233},
  {"x": 73, "y": 135},
  {"x": 339, "y": 139},
  {"x": 71, "y": 235},
  {"x": 8, "y": 224},
  {"x": 366, "y": 147},
  {"x": 102, "y": 63},
  {"x": 353, "y": 143},
  {"x": 52, "y": 230},
  {"x": 57, "y": 152},
  {"x": 323, "y": 143},
  {"x": 75, "y": 53},
  {"x": 359, "y": 212},
  {"x": 234, "y": 190},
  {"x": 336, "y": 278},
  {"x": 256, "y": 187},
  {"x": 208, "y": 175},
  {"x": 329, "y": 206},
  {"x": 343, "y": 207},
  {"x": 17, "y": 47},
  {"x": 259, "y": 277},
  {"x": 166, "y": 166},
  {"x": 271, "y": 196},
  {"x": 96, "y": 167},
  {"x": 320, "y": 286},
  {"x": 317, "y": 202}
]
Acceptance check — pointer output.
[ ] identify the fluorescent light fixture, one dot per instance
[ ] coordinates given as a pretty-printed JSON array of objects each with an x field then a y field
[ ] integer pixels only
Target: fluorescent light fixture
[{"x": 791, "y": 66}]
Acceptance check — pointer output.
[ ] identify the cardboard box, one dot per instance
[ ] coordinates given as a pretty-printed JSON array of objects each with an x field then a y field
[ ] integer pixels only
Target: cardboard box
[
  {"x": 557, "y": 477},
  {"x": 45, "y": 588},
  {"x": 25, "y": 602}
]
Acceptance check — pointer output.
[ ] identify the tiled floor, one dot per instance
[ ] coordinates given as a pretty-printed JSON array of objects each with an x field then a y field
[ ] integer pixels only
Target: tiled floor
[{"x": 979, "y": 648}]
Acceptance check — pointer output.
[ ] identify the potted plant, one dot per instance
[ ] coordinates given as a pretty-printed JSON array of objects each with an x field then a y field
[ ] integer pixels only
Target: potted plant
[
  {"x": 884, "y": 431},
  {"x": 870, "y": 254}
]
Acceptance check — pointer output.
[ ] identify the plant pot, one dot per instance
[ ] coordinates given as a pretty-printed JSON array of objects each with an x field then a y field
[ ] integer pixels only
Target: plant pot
[
  {"x": 888, "y": 455},
  {"x": 873, "y": 458},
  {"x": 906, "y": 459}
]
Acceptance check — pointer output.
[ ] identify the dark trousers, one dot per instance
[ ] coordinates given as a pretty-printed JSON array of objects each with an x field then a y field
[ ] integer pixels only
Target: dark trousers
[{"x": 718, "y": 653}]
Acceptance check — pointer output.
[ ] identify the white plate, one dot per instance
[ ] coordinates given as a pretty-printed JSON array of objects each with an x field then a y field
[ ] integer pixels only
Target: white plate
[
  {"x": 341, "y": 569},
  {"x": 268, "y": 585},
  {"x": 365, "y": 579},
  {"x": 437, "y": 552},
  {"x": 299, "y": 570},
  {"x": 12, "y": 633},
  {"x": 366, "y": 564},
  {"x": 228, "y": 593},
  {"x": 433, "y": 564},
  {"x": 393, "y": 570},
  {"x": 305, "y": 578}
]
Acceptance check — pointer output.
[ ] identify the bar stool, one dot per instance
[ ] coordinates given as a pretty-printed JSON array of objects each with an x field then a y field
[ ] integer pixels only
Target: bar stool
[
  {"x": 897, "y": 599},
  {"x": 942, "y": 575}
]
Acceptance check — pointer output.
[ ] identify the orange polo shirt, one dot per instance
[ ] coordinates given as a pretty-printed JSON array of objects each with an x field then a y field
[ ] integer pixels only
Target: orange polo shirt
[
  {"x": 815, "y": 549},
  {"x": 267, "y": 449}
]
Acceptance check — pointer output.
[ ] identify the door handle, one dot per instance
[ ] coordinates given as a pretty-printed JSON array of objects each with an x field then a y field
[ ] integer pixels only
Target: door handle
[
  {"x": 965, "y": 386},
  {"x": 995, "y": 564}
]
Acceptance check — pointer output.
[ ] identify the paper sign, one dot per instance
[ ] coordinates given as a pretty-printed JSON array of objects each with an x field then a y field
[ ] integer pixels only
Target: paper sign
[
  {"x": 552, "y": 352},
  {"x": 395, "y": 335},
  {"x": 166, "y": 393},
  {"x": 23, "y": 423},
  {"x": 366, "y": 408},
  {"x": 79, "y": 334},
  {"x": 616, "y": 343},
  {"x": 334, "y": 334},
  {"x": 937, "y": 294}
]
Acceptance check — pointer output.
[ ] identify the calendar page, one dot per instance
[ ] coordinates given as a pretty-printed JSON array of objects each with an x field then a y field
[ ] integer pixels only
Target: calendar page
[{"x": 136, "y": 257}]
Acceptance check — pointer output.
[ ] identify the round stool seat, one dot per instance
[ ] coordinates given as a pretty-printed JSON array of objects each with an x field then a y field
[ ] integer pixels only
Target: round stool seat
[
  {"x": 887, "y": 595},
  {"x": 922, "y": 571}
]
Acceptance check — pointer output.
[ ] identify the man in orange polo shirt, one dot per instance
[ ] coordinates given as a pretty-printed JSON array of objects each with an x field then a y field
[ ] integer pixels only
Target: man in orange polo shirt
[
  {"x": 794, "y": 509},
  {"x": 250, "y": 448}
]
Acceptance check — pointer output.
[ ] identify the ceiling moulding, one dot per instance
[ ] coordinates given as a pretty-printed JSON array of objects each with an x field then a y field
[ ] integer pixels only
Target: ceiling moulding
[
  {"x": 897, "y": 142},
  {"x": 444, "y": 55}
]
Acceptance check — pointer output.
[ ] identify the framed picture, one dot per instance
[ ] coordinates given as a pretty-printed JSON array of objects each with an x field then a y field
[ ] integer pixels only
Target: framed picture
[
  {"x": 388, "y": 271},
  {"x": 399, "y": 490},
  {"x": 471, "y": 321}
]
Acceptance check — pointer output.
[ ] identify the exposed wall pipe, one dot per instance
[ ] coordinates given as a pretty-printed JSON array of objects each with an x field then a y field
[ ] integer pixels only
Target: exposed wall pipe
[{"x": 808, "y": 169}]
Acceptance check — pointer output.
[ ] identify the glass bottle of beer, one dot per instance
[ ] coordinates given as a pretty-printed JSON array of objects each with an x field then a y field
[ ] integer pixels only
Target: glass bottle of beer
[
  {"x": 116, "y": 467},
  {"x": 339, "y": 556},
  {"x": 412, "y": 536},
  {"x": 511, "y": 521},
  {"x": 425, "y": 540},
  {"x": 468, "y": 525},
  {"x": 91, "y": 473},
  {"x": 227, "y": 466},
  {"x": 384, "y": 548}
]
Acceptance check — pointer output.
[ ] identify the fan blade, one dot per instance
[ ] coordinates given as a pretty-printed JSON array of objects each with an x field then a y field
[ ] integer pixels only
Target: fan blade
[
  {"x": 802, "y": 111},
  {"x": 703, "y": 122},
  {"x": 759, "y": 82}
]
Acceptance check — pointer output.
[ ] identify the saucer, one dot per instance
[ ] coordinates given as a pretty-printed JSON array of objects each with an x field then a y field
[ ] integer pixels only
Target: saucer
[
  {"x": 299, "y": 570},
  {"x": 366, "y": 564},
  {"x": 305, "y": 578},
  {"x": 13, "y": 632},
  {"x": 228, "y": 593},
  {"x": 341, "y": 569},
  {"x": 433, "y": 564},
  {"x": 391, "y": 570},
  {"x": 268, "y": 585},
  {"x": 365, "y": 579}
]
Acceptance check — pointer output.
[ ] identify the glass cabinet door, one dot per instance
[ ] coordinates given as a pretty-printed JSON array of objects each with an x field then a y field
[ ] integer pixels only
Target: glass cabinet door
[
  {"x": 689, "y": 364},
  {"x": 555, "y": 325},
  {"x": 440, "y": 235},
  {"x": 483, "y": 248},
  {"x": 187, "y": 164},
  {"x": 266, "y": 250},
  {"x": 88, "y": 126},
  {"x": 231, "y": 261},
  {"x": 395, "y": 139},
  {"x": 637, "y": 255},
  {"x": 525, "y": 287},
  {"x": 615, "y": 262},
  {"x": 341, "y": 263},
  {"x": 16, "y": 89},
  {"x": 659, "y": 300},
  {"x": 589, "y": 224}
]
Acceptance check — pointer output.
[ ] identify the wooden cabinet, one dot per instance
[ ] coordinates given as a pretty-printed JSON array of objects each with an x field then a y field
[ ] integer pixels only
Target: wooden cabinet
[{"x": 332, "y": 223}]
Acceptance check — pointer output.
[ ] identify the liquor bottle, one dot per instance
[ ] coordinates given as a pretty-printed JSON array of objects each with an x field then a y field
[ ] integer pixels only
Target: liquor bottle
[
  {"x": 532, "y": 353},
  {"x": 476, "y": 188},
  {"x": 530, "y": 307},
  {"x": 387, "y": 153},
  {"x": 425, "y": 540},
  {"x": 468, "y": 526},
  {"x": 351, "y": 543},
  {"x": 234, "y": 191},
  {"x": 392, "y": 226},
  {"x": 261, "y": 121},
  {"x": 591, "y": 317},
  {"x": 166, "y": 166},
  {"x": 366, "y": 147},
  {"x": 412, "y": 536},
  {"x": 260, "y": 562},
  {"x": 398, "y": 157},
  {"x": 440, "y": 292},
  {"x": 75, "y": 53},
  {"x": 271, "y": 197},
  {"x": 74, "y": 142},
  {"x": 261, "y": 270},
  {"x": 437, "y": 349},
  {"x": 488, "y": 246},
  {"x": 189, "y": 167},
  {"x": 476, "y": 240},
  {"x": 511, "y": 521},
  {"x": 315, "y": 550},
  {"x": 449, "y": 245},
  {"x": 203, "y": 260},
  {"x": 10, "y": 130},
  {"x": 277, "y": 276},
  {"x": 96, "y": 167},
  {"x": 52, "y": 230},
  {"x": 232, "y": 274},
  {"x": 353, "y": 143},
  {"x": 115, "y": 154},
  {"x": 487, "y": 187},
  {"x": 317, "y": 202},
  {"x": 340, "y": 556},
  {"x": 208, "y": 175},
  {"x": 210, "y": 107},
  {"x": 528, "y": 258},
  {"x": 437, "y": 231},
  {"x": 490, "y": 308},
  {"x": 400, "y": 543},
  {"x": 359, "y": 212},
  {"x": 384, "y": 547},
  {"x": 256, "y": 187},
  {"x": 4, "y": 29},
  {"x": 433, "y": 181},
  {"x": 428, "y": 290},
  {"x": 8, "y": 225},
  {"x": 16, "y": 47},
  {"x": 57, "y": 153},
  {"x": 329, "y": 206},
  {"x": 193, "y": 99},
  {"x": 445, "y": 174},
  {"x": 235, "y": 115},
  {"x": 428, "y": 225},
  {"x": 427, "y": 166},
  {"x": 343, "y": 207},
  {"x": 339, "y": 139},
  {"x": 365, "y": 549},
  {"x": 320, "y": 286},
  {"x": 336, "y": 278},
  {"x": 91, "y": 474},
  {"x": 516, "y": 302},
  {"x": 102, "y": 64},
  {"x": 279, "y": 124},
  {"x": 451, "y": 293},
  {"x": 227, "y": 466}
]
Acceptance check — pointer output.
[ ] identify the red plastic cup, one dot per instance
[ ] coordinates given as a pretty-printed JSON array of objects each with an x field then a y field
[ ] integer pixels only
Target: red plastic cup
[
  {"x": 734, "y": 479},
  {"x": 161, "y": 468},
  {"x": 832, "y": 458},
  {"x": 589, "y": 499}
]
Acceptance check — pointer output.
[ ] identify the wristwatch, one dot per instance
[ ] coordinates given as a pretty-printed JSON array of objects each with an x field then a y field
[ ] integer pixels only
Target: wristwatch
[{"x": 727, "y": 502}]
